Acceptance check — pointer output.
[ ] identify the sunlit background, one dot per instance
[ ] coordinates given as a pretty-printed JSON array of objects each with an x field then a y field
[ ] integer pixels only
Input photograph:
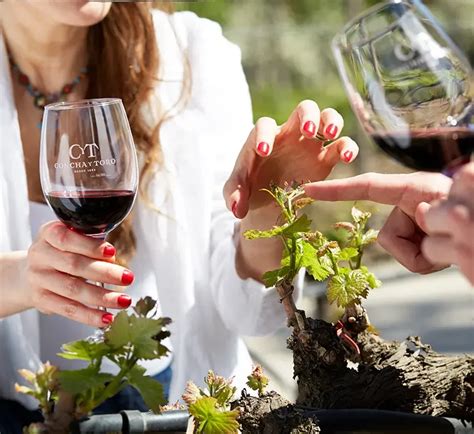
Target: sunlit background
[{"x": 286, "y": 56}]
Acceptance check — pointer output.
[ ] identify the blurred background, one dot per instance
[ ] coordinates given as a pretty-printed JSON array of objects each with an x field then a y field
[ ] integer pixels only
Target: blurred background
[{"x": 287, "y": 57}]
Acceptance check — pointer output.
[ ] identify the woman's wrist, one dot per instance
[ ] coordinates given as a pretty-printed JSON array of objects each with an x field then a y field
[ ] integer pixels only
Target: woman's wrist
[
  {"x": 255, "y": 257},
  {"x": 13, "y": 287}
]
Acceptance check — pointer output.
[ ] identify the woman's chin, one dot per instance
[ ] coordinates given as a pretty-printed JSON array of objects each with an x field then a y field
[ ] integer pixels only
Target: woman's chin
[{"x": 80, "y": 12}]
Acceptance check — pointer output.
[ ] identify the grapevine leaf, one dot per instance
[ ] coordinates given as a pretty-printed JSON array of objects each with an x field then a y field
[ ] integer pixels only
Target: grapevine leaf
[
  {"x": 371, "y": 279},
  {"x": 84, "y": 350},
  {"x": 347, "y": 253},
  {"x": 346, "y": 288},
  {"x": 211, "y": 420},
  {"x": 76, "y": 382},
  {"x": 142, "y": 330},
  {"x": 311, "y": 262},
  {"x": 369, "y": 237},
  {"x": 144, "y": 306},
  {"x": 301, "y": 224},
  {"x": 272, "y": 278},
  {"x": 117, "y": 335},
  {"x": 150, "y": 389}
]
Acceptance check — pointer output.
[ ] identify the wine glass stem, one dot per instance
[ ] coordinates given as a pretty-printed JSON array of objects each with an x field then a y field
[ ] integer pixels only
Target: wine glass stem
[{"x": 100, "y": 284}]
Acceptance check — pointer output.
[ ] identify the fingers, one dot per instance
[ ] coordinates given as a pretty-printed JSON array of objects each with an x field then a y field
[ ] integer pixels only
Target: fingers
[
  {"x": 47, "y": 257},
  {"x": 445, "y": 217},
  {"x": 331, "y": 124},
  {"x": 49, "y": 302},
  {"x": 344, "y": 149},
  {"x": 403, "y": 190},
  {"x": 77, "y": 289},
  {"x": 402, "y": 239},
  {"x": 264, "y": 137},
  {"x": 62, "y": 238},
  {"x": 463, "y": 186},
  {"x": 440, "y": 249},
  {"x": 307, "y": 115}
]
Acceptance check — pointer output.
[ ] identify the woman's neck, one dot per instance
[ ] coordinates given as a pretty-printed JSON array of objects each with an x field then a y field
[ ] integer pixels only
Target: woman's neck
[{"x": 50, "y": 54}]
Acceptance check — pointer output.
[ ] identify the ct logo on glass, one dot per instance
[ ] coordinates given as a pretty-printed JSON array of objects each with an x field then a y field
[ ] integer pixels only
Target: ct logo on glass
[{"x": 76, "y": 151}]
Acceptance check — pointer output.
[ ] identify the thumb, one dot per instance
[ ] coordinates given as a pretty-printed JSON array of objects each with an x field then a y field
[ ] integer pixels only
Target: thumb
[{"x": 420, "y": 212}]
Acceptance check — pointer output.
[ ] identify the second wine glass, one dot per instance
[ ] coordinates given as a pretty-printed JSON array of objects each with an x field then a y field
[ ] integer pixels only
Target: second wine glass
[{"x": 409, "y": 85}]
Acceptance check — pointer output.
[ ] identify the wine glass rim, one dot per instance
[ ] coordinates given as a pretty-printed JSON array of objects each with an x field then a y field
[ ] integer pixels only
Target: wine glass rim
[
  {"x": 83, "y": 103},
  {"x": 338, "y": 39}
]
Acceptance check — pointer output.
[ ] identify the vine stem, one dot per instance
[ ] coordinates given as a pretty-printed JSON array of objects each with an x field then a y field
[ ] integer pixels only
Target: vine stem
[{"x": 295, "y": 316}]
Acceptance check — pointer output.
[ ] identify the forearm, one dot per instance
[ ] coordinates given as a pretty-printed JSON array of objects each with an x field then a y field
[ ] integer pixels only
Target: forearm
[
  {"x": 12, "y": 283},
  {"x": 255, "y": 257}
]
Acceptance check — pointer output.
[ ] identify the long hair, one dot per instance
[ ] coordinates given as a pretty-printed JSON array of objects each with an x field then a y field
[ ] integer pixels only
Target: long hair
[{"x": 123, "y": 63}]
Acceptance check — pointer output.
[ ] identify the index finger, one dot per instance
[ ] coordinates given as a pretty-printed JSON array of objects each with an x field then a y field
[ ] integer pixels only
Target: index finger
[
  {"x": 376, "y": 187},
  {"x": 62, "y": 238}
]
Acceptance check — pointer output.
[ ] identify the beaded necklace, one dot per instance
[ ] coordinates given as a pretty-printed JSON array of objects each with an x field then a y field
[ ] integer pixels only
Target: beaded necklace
[{"x": 40, "y": 99}]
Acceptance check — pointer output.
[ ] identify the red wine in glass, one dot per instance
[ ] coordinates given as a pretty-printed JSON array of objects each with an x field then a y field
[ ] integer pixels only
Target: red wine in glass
[
  {"x": 409, "y": 85},
  {"x": 91, "y": 212},
  {"x": 434, "y": 150}
]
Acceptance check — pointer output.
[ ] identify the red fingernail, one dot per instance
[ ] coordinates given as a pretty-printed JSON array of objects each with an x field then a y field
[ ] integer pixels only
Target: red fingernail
[
  {"x": 309, "y": 128},
  {"x": 263, "y": 148},
  {"x": 347, "y": 156},
  {"x": 234, "y": 208},
  {"x": 124, "y": 301},
  {"x": 331, "y": 131},
  {"x": 107, "y": 318},
  {"x": 127, "y": 277},
  {"x": 109, "y": 251}
]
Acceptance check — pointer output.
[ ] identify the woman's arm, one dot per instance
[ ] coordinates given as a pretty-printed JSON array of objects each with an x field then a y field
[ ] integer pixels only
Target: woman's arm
[{"x": 53, "y": 276}]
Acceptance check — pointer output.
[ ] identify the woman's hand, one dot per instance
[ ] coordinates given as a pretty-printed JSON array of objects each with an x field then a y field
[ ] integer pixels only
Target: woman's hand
[
  {"x": 401, "y": 235},
  {"x": 450, "y": 225},
  {"x": 57, "y": 266},
  {"x": 288, "y": 152},
  {"x": 293, "y": 151}
]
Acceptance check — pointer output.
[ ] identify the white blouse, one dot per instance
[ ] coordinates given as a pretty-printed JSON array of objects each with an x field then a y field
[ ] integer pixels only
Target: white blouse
[{"x": 189, "y": 244}]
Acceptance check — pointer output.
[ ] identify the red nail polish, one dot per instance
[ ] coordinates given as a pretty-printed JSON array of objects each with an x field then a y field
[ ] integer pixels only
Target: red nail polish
[
  {"x": 127, "y": 277},
  {"x": 124, "y": 301},
  {"x": 107, "y": 318},
  {"x": 109, "y": 251},
  {"x": 347, "y": 156},
  {"x": 331, "y": 131},
  {"x": 309, "y": 128},
  {"x": 263, "y": 148},
  {"x": 234, "y": 208}
]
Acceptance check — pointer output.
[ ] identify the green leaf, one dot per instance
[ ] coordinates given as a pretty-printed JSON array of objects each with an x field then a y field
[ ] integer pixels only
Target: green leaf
[
  {"x": 150, "y": 389},
  {"x": 311, "y": 262},
  {"x": 301, "y": 224},
  {"x": 347, "y": 253},
  {"x": 347, "y": 288},
  {"x": 144, "y": 306},
  {"x": 142, "y": 331},
  {"x": 84, "y": 350},
  {"x": 117, "y": 335},
  {"x": 371, "y": 279},
  {"x": 211, "y": 420},
  {"x": 272, "y": 278},
  {"x": 76, "y": 382},
  {"x": 369, "y": 237}
]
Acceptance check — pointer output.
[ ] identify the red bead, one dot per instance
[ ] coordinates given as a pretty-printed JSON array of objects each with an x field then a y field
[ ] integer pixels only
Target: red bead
[
  {"x": 67, "y": 89},
  {"x": 23, "y": 79}
]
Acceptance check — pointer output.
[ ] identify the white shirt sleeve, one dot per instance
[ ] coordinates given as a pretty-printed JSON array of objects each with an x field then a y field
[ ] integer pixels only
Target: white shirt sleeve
[{"x": 246, "y": 306}]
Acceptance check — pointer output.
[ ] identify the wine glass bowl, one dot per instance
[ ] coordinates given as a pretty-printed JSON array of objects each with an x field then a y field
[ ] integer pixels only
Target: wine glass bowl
[
  {"x": 409, "y": 85},
  {"x": 88, "y": 164}
]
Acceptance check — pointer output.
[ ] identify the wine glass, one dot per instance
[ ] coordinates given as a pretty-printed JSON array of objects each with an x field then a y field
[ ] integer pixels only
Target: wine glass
[
  {"x": 409, "y": 85},
  {"x": 88, "y": 165}
]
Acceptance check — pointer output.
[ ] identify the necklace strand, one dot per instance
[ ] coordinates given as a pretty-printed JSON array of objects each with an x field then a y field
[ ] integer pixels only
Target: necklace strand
[{"x": 41, "y": 99}]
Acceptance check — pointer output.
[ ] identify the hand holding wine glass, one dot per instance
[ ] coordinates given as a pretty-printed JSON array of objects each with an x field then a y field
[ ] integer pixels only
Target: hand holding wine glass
[{"x": 89, "y": 176}]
